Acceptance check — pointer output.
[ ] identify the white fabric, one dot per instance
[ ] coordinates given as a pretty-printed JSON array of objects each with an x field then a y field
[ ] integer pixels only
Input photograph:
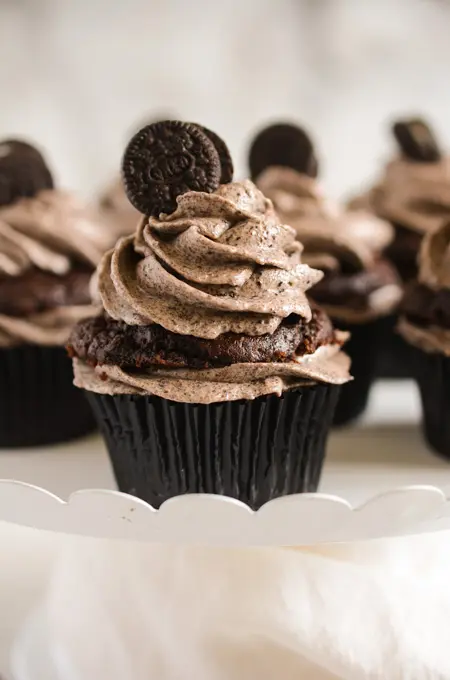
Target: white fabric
[{"x": 371, "y": 610}]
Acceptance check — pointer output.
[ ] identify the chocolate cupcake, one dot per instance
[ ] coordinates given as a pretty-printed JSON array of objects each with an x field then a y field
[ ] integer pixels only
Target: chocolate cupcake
[
  {"x": 209, "y": 371},
  {"x": 413, "y": 194},
  {"x": 360, "y": 288},
  {"x": 49, "y": 246},
  {"x": 425, "y": 325}
]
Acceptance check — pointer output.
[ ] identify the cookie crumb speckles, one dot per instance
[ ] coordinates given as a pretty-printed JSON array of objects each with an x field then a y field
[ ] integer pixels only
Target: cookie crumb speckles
[
  {"x": 284, "y": 145},
  {"x": 165, "y": 160},
  {"x": 416, "y": 140},
  {"x": 23, "y": 171}
]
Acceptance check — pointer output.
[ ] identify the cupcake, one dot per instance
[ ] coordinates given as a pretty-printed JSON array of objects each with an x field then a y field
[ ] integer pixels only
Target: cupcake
[
  {"x": 413, "y": 193},
  {"x": 414, "y": 196},
  {"x": 360, "y": 288},
  {"x": 425, "y": 325},
  {"x": 49, "y": 247},
  {"x": 208, "y": 370}
]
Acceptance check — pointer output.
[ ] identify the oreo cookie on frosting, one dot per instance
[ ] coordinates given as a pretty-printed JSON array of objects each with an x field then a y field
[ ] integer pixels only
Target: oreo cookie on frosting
[
  {"x": 285, "y": 145},
  {"x": 417, "y": 140},
  {"x": 23, "y": 171},
  {"x": 207, "y": 348},
  {"x": 167, "y": 159}
]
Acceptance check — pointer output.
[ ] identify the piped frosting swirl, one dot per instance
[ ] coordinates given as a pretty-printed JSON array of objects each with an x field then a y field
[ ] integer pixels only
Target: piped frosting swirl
[
  {"x": 52, "y": 232},
  {"x": 221, "y": 262}
]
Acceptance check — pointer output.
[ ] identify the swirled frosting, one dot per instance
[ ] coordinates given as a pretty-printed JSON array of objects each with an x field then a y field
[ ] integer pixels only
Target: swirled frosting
[
  {"x": 434, "y": 273},
  {"x": 411, "y": 194},
  {"x": 117, "y": 210},
  {"x": 50, "y": 232},
  {"x": 220, "y": 263},
  {"x": 334, "y": 239}
]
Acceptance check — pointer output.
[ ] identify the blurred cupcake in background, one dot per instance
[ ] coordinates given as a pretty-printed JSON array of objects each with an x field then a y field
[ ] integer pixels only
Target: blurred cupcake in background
[
  {"x": 360, "y": 288},
  {"x": 425, "y": 325},
  {"x": 413, "y": 194},
  {"x": 208, "y": 370},
  {"x": 49, "y": 246}
]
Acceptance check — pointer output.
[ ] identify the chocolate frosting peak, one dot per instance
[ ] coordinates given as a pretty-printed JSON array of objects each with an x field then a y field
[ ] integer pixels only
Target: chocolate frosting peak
[
  {"x": 413, "y": 195},
  {"x": 221, "y": 262}
]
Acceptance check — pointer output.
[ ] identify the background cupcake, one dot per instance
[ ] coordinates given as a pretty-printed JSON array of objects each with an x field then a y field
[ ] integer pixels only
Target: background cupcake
[
  {"x": 425, "y": 325},
  {"x": 49, "y": 246},
  {"x": 414, "y": 196},
  {"x": 360, "y": 288},
  {"x": 210, "y": 371}
]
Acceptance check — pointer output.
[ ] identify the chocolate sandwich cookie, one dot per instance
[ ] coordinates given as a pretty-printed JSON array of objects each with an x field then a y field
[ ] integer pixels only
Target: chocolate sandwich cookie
[
  {"x": 417, "y": 140},
  {"x": 226, "y": 162},
  {"x": 284, "y": 145},
  {"x": 165, "y": 160},
  {"x": 23, "y": 171}
]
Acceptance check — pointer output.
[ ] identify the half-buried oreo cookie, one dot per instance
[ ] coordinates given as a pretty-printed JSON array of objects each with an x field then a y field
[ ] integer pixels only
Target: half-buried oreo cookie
[
  {"x": 417, "y": 141},
  {"x": 23, "y": 171},
  {"x": 165, "y": 160},
  {"x": 226, "y": 162},
  {"x": 283, "y": 144}
]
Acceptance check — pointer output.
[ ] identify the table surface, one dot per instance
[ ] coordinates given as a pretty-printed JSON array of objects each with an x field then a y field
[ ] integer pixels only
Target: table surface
[{"x": 385, "y": 450}]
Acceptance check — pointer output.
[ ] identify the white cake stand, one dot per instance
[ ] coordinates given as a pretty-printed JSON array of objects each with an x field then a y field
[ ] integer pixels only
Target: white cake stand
[{"x": 379, "y": 480}]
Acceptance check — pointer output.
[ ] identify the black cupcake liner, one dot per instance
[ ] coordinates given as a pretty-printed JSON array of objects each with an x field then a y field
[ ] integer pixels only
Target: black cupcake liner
[
  {"x": 363, "y": 349},
  {"x": 432, "y": 373},
  {"x": 393, "y": 359},
  {"x": 251, "y": 450},
  {"x": 39, "y": 403}
]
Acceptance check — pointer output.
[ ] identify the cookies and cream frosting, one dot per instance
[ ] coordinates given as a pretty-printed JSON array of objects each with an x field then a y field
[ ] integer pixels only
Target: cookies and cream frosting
[
  {"x": 334, "y": 239},
  {"x": 49, "y": 232},
  {"x": 412, "y": 194},
  {"x": 220, "y": 263}
]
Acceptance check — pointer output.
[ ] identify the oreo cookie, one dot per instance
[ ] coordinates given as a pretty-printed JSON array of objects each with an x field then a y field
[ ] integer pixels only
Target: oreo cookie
[
  {"x": 283, "y": 144},
  {"x": 417, "y": 141},
  {"x": 23, "y": 171},
  {"x": 226, "y": 162},
  {"x": 165, "y": 160}
]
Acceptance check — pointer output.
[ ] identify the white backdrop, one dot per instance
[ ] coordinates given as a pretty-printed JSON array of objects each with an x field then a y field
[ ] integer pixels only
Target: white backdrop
[{"x": 77, "y": 74}]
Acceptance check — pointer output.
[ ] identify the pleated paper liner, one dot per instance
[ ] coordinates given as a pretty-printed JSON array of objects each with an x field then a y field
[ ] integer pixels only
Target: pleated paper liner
[
  {"x": 39, "y": 404},
  {"x": 432, "y": 373},
  {"x": 253, "y": 450}
]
